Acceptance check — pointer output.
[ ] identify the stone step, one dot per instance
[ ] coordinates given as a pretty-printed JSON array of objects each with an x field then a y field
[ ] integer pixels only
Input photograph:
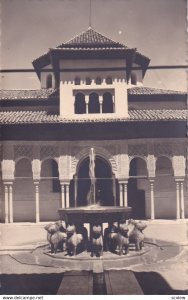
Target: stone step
[
  {"x": 76, "y": 283},
  {"x": 122, "y": 282}
]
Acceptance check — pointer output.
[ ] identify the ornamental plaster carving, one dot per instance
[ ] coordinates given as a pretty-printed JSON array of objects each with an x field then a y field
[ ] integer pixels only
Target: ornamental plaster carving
[
  {"x": 49, "y": 151},
  {"x": 151, "y": 165},
  {"x": 179, "y": 149},
  {"x": 81, "y": 155},
  {"x": 36, "y": 168},
  {"x": 179, "y": 165},
  {"x": 8, "y": 152},
  {"x": 137, "y": 150},
  {"x": 64, "y": 167},
  {"x": 23, "y": 151},
  {"x": 8, "y": 168},
  {"x": 163, "y": 149}
]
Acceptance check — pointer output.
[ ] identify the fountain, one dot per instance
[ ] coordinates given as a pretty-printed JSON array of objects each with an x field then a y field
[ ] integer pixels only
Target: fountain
[{"x": 93, "y": 213}]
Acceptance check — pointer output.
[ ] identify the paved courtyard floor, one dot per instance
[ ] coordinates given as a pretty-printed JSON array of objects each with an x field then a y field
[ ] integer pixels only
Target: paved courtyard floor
[{"x": 162, "y": 263}]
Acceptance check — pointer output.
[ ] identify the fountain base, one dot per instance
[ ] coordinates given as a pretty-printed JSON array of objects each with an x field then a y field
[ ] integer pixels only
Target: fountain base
[{"x": 94, "y": 214}]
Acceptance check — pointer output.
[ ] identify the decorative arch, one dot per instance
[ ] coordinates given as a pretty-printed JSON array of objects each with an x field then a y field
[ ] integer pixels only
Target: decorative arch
[
  {"x": 107, "y": 105},
  {"x": 165, "y": 189},
  {"x": 23, "y": 191},
  {"x": 138, "y": 163},
  {"x": 99, "y": 151},
  {"x": 80, "y": 104},
  {"x": 94, "y": 105},
  {"x": 49, "y": 81},
  {"x": 163, "y": 163},
  {"x": 138, "y": 186},
  {"x": 23, "y": 167},
  {"x": 23, "y": 157},
  {"x": 104, "y": 183},
  {"x": 50, "y": 190}
]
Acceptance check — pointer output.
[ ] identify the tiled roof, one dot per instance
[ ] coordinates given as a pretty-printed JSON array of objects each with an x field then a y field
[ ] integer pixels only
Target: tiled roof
[
  {"x": 37, "y": 117},
  {"x": 153, "y": 91},
  {"x": 28, "y": 94},
  {"x": 51, "y": 93},
  {"x": 91, "y": 38}
]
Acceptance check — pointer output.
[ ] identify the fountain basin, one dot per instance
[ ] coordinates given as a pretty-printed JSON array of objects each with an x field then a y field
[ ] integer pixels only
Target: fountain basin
[{"x": 94, "y": 214}]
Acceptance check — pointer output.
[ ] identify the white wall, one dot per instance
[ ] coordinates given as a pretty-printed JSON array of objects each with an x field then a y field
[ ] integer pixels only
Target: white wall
[{"x": 68, "y": 88}]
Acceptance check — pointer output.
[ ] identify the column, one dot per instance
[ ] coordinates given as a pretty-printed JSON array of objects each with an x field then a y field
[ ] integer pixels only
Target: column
[
  {"x": 114, "y": 189},
  {"x": 67, "y": 196},
  {"x": 87, "y": 102},
  {"x": 121, "y": 194},
  {"x": 75, "y": 190},
  {"x": 6, "y": 205},
  {"x": 10, "y": 204},
  {"x": 177, "y": 200},
  {"x": 125, "y": 194},
  {"x": 113, "y": 99},
  {"x": 100, "y": 102},
  {"x": 182, "y": 201},
  {"x": 62, "y": 195},
  {"x": 152, "y": 199},
  {"x": 37, "y": 210}
]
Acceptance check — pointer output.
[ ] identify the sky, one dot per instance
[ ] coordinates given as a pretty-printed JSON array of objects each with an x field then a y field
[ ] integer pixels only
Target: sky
[{"x": 157, "y": 28}]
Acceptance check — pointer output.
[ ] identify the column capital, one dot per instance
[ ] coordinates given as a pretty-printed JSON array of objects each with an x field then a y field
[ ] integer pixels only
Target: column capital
[
  {"x": 36, "y": 182},
  {"x": 151, "y": 180},
  {"x": 123, "y": 180},
  {"x": 179, "y": 179},
  {"x": 10, "y": 183}
]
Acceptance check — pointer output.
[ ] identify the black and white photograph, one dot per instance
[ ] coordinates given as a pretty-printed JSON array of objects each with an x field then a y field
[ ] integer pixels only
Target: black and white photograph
[{"x": 93, "y": 151}]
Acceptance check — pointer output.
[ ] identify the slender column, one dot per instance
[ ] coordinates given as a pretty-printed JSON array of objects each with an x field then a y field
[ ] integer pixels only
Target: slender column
[
  {"x": 125, "y": 194},
  {"x": 177, "y": 200},
  {"x": 87, "y": 102},
  {"x": 10, "y": 205},
  {"x": 100, "y": 102},
  {"x": 62, "y": 195},
  {"x": 6, "y": 205},
  {"x": 113, "y": 99},
  {"x": 37, "y": 210},
  {"x": 67, "y": 196},
  {"x": 182, "y": 201},
  {"x": 152, "y": 200},
  {"x": 75, "y": 190},
  {"x": 121, "y": 194},
  {"x": 114, "y": 189}
]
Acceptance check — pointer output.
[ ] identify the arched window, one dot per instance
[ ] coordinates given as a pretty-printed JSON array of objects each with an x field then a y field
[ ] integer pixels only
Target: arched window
[
  {"x": 109, "y": 80},
  {"x": 80, "y": 105},
  {"x": 49, "y": 81},
  {"x": 98, "y": 80},
  {"x": 107, "y": 105},
  {"x": 77, "y": 81},
  {"x": 88, "y": 81},
  {"x": 133, "y": 78},
  {"x": 94, "y": 106}
]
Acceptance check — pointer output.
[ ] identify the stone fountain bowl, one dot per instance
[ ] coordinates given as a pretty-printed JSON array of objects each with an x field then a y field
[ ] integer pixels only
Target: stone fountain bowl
[{"x": 94, "y": 214}]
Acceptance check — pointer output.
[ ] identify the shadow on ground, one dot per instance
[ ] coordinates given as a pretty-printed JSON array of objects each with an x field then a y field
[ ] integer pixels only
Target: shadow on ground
[{"x": 151, "y": 283}]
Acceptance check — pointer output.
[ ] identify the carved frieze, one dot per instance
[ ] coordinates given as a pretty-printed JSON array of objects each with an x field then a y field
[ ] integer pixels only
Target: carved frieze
[
  {"x": 137, "y": 150},
  {"x": 23, "y": 151},
  {"x": 163, "y": 149},
  {"x": 49, "y": 151}
]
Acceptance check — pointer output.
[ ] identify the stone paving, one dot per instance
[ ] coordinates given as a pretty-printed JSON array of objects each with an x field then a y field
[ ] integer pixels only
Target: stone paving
[{"x": 168, "y": 260}]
